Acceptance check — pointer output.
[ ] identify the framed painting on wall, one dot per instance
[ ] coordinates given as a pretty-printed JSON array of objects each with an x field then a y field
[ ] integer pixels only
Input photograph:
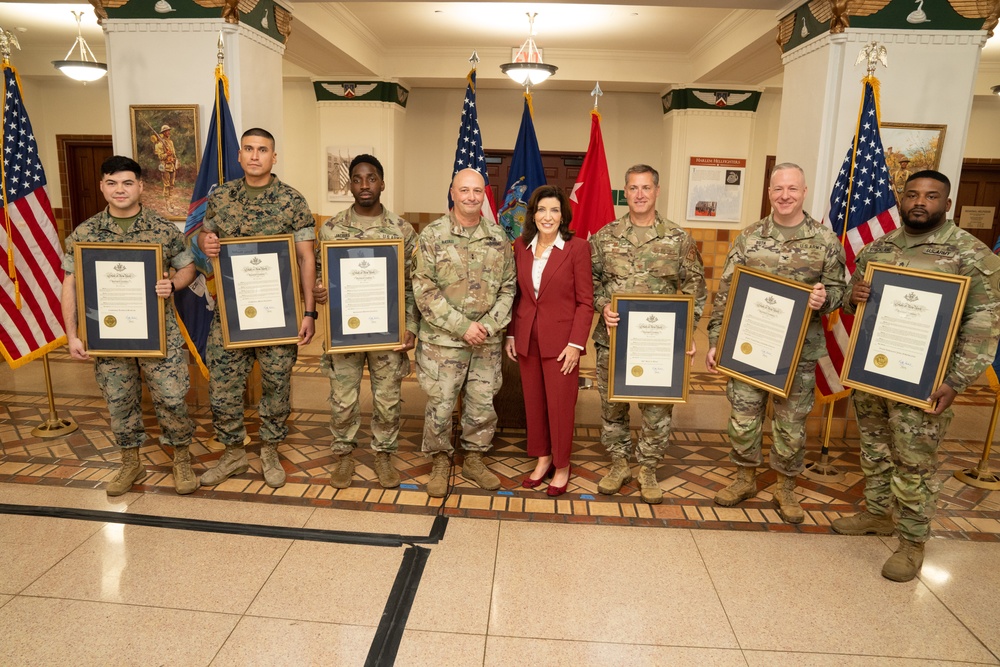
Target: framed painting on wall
[
  {"x": 910, "y": 148},
  {"x": 165, "y": 144}
]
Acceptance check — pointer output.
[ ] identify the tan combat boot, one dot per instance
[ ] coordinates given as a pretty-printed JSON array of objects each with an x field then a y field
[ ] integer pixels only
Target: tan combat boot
[
  {"x": 474, "y": 470},
  {"x": 232, "y": 462},
  {"x": 648, "y": 486},
  {"x": 863, "y": 523},
  {"x": 786, "y": 502},
  {"x": 130, "y": 472},
  {"x": 184, "y": 480},
  {"x": 437, "y": 485},
  {"x": 343, "y": 474},
  {"x": 905, "y": 563},
  {"x": 743, "y": 488},
  {"x": 618, "y": 475},
  {"x": 274, "y": 474},
  {"x": 387, "y": 475}
]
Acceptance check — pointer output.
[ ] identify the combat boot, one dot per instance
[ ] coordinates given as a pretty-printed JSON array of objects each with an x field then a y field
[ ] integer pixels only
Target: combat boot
[
  {"x": 743, "y": 488},
  {"x": 130, "y": 472},
  {"x": 274, "y": 474},
  {"x": 618, "y": 475},
  {"x": 648, "y": 486},
  {"x": 437, "y": 485},
  {"x": 232, "y": 462},
  {"x": 184, "y": 480},
  {"x": 474, "y": 470},
  {"x": 387, "y": 475},
  {"x": 343, "y": 474},
  {"x": 785, "y": 500},
  {"x": 905, "y": 563},
  {"x": 863, "y": 523}
]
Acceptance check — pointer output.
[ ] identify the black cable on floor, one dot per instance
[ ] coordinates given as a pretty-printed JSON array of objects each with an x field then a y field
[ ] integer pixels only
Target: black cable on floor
[{"x": 397, "y": 608}]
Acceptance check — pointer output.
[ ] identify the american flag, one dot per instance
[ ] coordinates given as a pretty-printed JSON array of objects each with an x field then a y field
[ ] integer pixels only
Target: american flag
[
  {"x": 862, "y": 209},
  {"x": 31, "y": 282},
  {"x": 469, "y": 151}
]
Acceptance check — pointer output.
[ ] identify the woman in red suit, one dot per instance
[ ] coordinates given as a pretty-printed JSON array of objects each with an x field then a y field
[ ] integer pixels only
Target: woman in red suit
[{"x": 553, "y": 314}]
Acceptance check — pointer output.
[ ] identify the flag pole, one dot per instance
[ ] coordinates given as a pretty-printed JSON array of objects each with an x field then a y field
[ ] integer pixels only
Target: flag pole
[
  {"x": 53, "y": 427},
  {"x": 980, "y": 476}
]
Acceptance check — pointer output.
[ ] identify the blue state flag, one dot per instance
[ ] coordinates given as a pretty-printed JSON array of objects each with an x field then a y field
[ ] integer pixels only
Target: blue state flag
[
  {"x": 993, "y": 373},
  {"x": 526, "y": 174},
  {"x": 196, "y": 303}
]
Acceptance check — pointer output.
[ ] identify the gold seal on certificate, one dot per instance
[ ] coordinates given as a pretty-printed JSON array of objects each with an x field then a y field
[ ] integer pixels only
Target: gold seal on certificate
[
  {"x": 881, "y": 360},
  {"x": 250, "y": 312},
  {"x": 354, "y": 323},
  {"x": 746, "y": 348},
  {"x": 110, "y": 321},
  {"x": 637, "y": 371}
]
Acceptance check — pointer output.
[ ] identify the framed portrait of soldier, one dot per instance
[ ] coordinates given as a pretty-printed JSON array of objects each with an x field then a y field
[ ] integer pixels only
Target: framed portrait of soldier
[
  {"x": 648, "y": 354},
  {"x": 257, "y": 284},
  {"x": 366, "y": 307},
  {"x": 763, "y": 330},
  {"x": 118, "y": 312},
  {"x": 165, "y": 144},
  {"x": 904, "y": 333}
]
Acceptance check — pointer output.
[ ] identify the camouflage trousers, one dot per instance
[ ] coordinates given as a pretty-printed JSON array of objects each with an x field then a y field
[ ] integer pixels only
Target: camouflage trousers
[
  {"x": 386, "y": 370},
  {"x": 788, "y": 427},
  {"x": 899, "y": 446},
  {"x": 120, "y": 380},
  {"x": 227, "y": 379},
  {"x": 616, "y": 435},
  {"x": 444, "y": 373}
]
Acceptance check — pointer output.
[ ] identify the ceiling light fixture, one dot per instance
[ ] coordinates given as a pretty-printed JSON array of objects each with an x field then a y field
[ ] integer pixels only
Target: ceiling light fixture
[
  {"x": 83, "y": 69},
  {"x": 528, "y": 68}
]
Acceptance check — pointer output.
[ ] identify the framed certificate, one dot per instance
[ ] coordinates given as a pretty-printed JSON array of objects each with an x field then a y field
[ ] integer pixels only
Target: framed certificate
[
  {"x": 257, "y": 279},
  {"x": 118, "y": 312},
  {"x": 648, "y": 361},
  {"x": 366, "y": 308},
  {"x": 763, "y": 330},
  {"x": 903, "y": 335}
]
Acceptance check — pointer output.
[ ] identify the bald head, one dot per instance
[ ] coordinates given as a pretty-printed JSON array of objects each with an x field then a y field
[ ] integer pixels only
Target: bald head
[{"x": 468, "y": 190}]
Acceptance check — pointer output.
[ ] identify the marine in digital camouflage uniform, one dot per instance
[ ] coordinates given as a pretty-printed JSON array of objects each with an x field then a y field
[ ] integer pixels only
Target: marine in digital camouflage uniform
[
  {"x": 642, "y": 253},
  {"x": 120, "y": 378},
  {"x": 788, "y": 243},
  {"x": 368, "y": 219},
  {"x": 899, "y": 442},
  {"x": 464, "y": 284},
  {"x": 258, "y": 204}
]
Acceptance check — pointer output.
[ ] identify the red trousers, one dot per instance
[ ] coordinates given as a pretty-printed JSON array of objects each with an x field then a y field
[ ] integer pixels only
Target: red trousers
[{"x": 549, "y": 403}]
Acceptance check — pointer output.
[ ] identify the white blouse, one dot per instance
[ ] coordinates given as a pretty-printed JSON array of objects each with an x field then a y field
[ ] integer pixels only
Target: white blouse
[{"x": 538, "y": 265}]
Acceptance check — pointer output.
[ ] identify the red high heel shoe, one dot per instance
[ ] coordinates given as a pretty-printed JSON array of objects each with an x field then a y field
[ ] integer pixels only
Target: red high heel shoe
[
  {"x": 530, "y": 483},
  {"x": 558, "y": 490}
]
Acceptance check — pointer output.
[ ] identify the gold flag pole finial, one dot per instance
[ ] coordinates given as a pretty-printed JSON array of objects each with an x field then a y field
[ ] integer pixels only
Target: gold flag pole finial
[
  {"x": 221, "y": 53},
  {"x": 7, "y": 40},
  {"x": 874, "y": 53},
  {"x": 596, "y": 92}
]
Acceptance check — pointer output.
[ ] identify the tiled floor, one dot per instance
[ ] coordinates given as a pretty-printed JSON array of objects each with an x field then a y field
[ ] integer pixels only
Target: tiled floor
[{"x": 517, "y": 577}]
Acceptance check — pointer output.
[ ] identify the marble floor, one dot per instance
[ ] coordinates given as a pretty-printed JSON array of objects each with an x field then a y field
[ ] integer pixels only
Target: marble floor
[{"x": 308, "y": 575}]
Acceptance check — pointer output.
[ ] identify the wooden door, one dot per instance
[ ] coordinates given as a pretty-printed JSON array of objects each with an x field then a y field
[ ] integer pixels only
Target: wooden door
[
  {"x": 979, "y": 185},
  {"x": 560, "y": 169},
  {"x": 83, "y": 166},
  {"x": 765, "y": 202}
]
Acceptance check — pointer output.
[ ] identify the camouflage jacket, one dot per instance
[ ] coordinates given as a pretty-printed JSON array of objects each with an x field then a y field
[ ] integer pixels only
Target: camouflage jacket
[
  {"x": 669, "y": 263},
  {"x": 460, "y": 276},
  {"x": 279, "y": 209},
  {"x": 950, "y": 250},
  {"x": 148, "y": 228},
  {"x": 813, "y": 255},
  {"x": 345, "y": 225}
]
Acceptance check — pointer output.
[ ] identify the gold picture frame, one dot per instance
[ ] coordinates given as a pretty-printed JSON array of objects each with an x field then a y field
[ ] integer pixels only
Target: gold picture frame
[
  {"x": 919, "y": 145},
  {"x": 150, "y": 148}
]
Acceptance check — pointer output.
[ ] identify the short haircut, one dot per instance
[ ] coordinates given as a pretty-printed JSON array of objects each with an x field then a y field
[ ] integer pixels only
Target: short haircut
[
  {"x": 117, "y": 163},
  {"x": 258, "y": 132},
  {"x": 935, "y": 175},
  {"x": 364, "y": 158},
  {"x": 787, "y": 165},
  {"x": 642, "y": 169},
  {"x": 544, "y": 192}
]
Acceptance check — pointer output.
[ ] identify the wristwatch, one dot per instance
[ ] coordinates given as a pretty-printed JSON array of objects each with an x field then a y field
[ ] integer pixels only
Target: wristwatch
[{"x": 311, "y": 313}]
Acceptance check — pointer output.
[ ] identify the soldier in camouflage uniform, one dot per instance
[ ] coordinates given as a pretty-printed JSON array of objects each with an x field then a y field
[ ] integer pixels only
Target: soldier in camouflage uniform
[
  {"x": 899, "y": 442},
  {"x": 464, "y": 283},
  {"x": 125, "y": 221},
  {"x": 790, "y": 244},
  {"x": 256, "y": 205},
  {"x": 368, "y": 219},
  {"x": 642, "y": 253}
]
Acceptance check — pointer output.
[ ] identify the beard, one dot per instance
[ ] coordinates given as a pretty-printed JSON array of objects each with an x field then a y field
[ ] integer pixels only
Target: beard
[{"x": 931, "y": 222}]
